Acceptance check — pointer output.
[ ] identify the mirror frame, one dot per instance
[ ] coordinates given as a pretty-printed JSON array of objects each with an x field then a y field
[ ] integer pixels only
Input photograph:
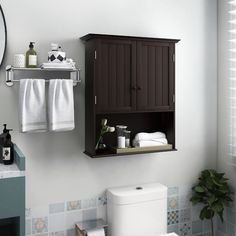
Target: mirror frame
[{"x": 5, "y": 26}]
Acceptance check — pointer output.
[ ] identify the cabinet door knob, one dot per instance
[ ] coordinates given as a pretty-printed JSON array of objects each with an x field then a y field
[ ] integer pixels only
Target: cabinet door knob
[
  {"x": 138, "y": 87},
  {"x": 133, "y": 87}
]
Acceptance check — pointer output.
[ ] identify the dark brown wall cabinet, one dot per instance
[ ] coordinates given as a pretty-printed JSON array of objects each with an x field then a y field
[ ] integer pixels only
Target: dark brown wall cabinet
[{"x": 130, "y": 81}]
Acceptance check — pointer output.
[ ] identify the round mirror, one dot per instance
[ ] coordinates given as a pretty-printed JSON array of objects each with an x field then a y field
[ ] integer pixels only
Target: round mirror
[{"x": 3, "y": 35}]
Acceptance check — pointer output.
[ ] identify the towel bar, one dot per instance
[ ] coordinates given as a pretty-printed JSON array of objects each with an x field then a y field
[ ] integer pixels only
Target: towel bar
[{"x": 10, "y": 74}]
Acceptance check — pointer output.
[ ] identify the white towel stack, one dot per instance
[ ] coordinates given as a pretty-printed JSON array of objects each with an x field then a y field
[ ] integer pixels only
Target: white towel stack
[
  {"x": 32, "y": 105},
  {"x": 149, "y": 139}
]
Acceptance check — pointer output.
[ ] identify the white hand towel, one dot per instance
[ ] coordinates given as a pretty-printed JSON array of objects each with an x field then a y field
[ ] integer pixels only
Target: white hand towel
[
  {"x": 150, "y": 143},
  {"x": 61, "y": 105},
  {"x": 32, "y": 105},
  {"x": 149, "y": 136}
]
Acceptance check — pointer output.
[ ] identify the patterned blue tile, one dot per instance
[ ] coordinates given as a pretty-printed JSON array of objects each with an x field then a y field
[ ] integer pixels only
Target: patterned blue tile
[
  {"x": 27, "y": 212},
  {"x": 230, "y": 216},
  {"x": 61, "y": 233},
  {"x": 221, "y": 226},
  {"x": 173, "y": 229},
  {"x": 173, "y": 217},
  {"x": 173, "y": 203},
  {"x": 46, "y": 234},
  {"x": 89, "y": 203},
  {"x": 173, "y": 191},
  {"x": 56, "y": 207},
  {"x": 185, "y": 215},
  {"x": 90, "y": 214},
  {"x": 230, "y": 229},
  {"x": 185, "y": 229},
  {"x": 40, "y": 225},
  {"x": 219, "y": 233},
  {"x": 71, "y": 232},
  {"x": 197, "y": 227},
  {"x": 28, "y": 226},
  {"x": 206, "y": 226},
  {"x": 73, "y": 205},
  {"x": 184, "y": 201}
]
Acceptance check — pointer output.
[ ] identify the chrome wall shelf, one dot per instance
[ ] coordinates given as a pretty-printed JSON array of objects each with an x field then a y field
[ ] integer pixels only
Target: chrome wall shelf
[{"x": 16, "y": 74}]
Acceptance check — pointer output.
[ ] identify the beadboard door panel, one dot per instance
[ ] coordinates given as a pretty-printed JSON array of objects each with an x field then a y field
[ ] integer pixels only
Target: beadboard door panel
[
  {"x": 116, "y": 77},
  {"x": 155, "y": 82}
]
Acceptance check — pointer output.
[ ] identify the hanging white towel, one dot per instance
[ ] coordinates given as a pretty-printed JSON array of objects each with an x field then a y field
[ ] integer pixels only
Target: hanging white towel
[
  {"x": 61, "y": 105},
  {"x": 149, "y": 136},
  {"x": 32, "y": 105},
  {"x": 150, "y": 143}
]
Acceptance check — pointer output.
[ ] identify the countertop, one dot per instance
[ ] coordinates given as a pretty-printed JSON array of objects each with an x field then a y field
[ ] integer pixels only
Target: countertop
[
  {"x": 17, "y": 169},
  {"x": 10, "y": 171}
]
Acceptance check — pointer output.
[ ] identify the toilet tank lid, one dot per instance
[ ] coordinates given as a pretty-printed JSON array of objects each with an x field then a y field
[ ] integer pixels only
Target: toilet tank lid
[{"x": 136, "y": 193}]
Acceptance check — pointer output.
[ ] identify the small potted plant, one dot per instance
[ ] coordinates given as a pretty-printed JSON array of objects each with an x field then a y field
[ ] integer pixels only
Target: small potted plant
[
  {"x": 213, "y": 192},
  {"x": 100, "y": 145}
]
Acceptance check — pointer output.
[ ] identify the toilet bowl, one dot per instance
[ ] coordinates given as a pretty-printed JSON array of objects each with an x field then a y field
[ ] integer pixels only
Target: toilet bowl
[{"x": 137, "y": 210}]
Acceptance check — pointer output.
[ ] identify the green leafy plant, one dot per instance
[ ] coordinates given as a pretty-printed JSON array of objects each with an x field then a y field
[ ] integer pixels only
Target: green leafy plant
[{"x": 213, "y": 192}]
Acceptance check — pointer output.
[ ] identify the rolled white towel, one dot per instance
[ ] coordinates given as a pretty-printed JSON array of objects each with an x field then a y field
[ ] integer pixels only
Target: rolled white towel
[
  {"x": 149, "y": 136},
  {"x": 150, "y": 143}
]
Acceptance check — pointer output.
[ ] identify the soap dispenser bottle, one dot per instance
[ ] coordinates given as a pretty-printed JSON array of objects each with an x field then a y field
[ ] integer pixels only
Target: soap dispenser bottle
[
  {"x": 31, "y": 57},
  {"x": 8, "y": 149},
  {"x": 2, "y": 139}
]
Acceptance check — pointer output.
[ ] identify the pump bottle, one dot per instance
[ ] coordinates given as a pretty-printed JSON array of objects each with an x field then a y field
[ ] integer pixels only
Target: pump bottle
[{"x": 31, "y": 57}]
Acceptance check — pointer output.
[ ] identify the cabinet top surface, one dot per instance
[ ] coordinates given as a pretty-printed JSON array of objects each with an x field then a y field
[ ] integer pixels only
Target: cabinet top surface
[{"x": 107, "y": 36}]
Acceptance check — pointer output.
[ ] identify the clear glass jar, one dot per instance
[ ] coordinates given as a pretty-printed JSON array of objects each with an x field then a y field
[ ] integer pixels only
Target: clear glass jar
[
  {"x": 121, "y": 135},
  {"x": 127, "y": 138}
]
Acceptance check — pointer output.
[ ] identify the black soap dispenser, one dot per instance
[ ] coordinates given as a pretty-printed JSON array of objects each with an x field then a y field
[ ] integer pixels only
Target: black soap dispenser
[
  {"x": 7, "y": 149},
  {"x": 3, "y": 135}
]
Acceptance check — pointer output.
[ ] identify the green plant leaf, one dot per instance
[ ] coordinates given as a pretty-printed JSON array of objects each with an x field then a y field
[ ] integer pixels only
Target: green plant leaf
[
  {"x": 203, "y": 213},
  {"x": 221, "y": 216},
  {"x": 216, "y": 182},
  {"x": 195, "y": 199},
  {"x": 217, "y": 207},
  {"x": 209, "y": 214},
  {"x": 199, "y": 189},
  {"x": 211, "y": 200}
]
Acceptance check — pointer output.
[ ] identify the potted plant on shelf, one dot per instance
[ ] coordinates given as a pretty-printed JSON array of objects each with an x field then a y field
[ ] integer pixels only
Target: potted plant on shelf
[
  {"x": 213, "y": 192},
  {"x": 100, "y": 145}
]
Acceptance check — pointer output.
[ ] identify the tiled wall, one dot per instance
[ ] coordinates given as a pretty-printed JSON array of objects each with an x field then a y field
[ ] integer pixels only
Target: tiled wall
[
  {"x": 58, "y": 219},
  {"x": 182, "y": 217},
  {"x": 228, "y": 228}
]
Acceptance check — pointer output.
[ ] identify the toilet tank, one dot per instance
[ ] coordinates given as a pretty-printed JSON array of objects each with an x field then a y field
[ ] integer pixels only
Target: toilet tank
[{"x": 137, "y": 210}]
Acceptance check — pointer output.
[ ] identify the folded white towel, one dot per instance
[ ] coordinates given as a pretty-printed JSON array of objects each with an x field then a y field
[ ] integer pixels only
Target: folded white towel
[
  {"x": 54, "y": 65},
  {"x": 150, "y": 143},
  {"x": 32, "y": 105},
  {"x": 61, "y": 105},
  {"x": 149, "y": 136}
]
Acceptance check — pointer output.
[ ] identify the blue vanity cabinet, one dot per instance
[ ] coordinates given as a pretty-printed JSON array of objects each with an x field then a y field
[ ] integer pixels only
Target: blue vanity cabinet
[
  {"x": 12, "y": 197},
  {"x": 12, "y": 201}
]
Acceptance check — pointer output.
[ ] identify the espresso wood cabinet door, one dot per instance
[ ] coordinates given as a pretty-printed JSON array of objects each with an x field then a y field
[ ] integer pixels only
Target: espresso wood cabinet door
[
  {"x": 155, "y": 76},
  {"x": 115, "y": 76}
]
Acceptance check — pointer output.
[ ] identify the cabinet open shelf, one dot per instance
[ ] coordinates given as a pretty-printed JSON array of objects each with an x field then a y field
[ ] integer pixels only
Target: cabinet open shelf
[{"x": 111, "y": 154}]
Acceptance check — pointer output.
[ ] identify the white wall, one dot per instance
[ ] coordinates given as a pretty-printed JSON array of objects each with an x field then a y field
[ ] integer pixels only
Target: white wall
[{"x": 57, "y": 169}]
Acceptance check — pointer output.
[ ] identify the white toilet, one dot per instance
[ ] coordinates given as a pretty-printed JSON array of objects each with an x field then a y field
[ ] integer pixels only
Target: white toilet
[{"x": 137, "y": 210}]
